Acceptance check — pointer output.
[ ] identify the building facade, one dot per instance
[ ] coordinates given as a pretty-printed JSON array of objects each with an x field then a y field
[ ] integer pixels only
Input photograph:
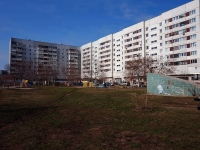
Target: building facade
[
  {"x": 172, "y": 37},
  {"x": 45, "y": 59}
]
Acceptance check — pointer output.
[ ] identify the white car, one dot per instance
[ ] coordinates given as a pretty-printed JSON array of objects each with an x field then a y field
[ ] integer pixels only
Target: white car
[
  {"x": 123, "y": 83},
  {"x": 136, "y": 84}
]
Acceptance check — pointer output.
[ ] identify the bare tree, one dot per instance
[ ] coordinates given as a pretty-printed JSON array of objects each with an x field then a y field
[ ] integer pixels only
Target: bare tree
[
  {"x": 87, "y": 70},
  {"x": 135, "y": 68},
  {"x": 138, "y": 67},
  {"x": 20, "y": 69},
  {"x": 162, "y": 66},
  {"x": 31, "y": 71},
  {"x": 46, "y": 73},
  {"x": 71, "y": 73},
  {"x": 7, "y": 67}
]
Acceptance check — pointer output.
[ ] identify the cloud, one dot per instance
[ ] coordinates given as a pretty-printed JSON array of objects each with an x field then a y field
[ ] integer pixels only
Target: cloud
[
  {"x": 130, "y": 10},
  {"x": 137, "y": 12}
]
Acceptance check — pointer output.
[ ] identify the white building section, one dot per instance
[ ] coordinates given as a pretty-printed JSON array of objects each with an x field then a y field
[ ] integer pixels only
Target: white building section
[{"x": 172, "y": 36}]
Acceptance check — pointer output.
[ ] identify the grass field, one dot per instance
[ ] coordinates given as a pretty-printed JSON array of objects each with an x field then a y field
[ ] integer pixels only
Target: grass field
[{"x": 59, "y": 118}]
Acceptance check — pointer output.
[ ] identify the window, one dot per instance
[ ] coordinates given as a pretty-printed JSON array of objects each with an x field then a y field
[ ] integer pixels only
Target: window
[
  {"x": 160, "y": 30},
  {"x": 154, "y": 48},
  {"x": 146, "y": 28},
  {"x": 167, "y": 50},
  {"x": 147, "y": 35},
  {"x": 153, "y": 35},
  {"x": 167, "y": 56},
  {"x": 193, "y": 52},
  {"x": 193, "y": 44},
  {"x": 193, "y": 28},
  {"x": 134, "y": 32},
  {"x": 182, "y": 54},
  {"x": 193, "y": 36},
  {"x": 176, "y": 55},
  {"x": 175, "y": 40},
  {"x": 176, "y": 47},
  {"x": 181, "y": 39},
  {"x": 182, "y": 15},
  {"x": 160, "y": 44},
  {"x": 154, "y": 41},
  {"x": 182, "y": 23},
  {"x": 153, "y": 28},
  {"x": 182, "y": 46},
  {"x": 154, "y": 54},
  {"x": 192, "y": 20},
  {"x": 192, "y": 12},
  {"x": 193, "y": 61},
  {"x": 160, "y": 23},
  {"x": 160, "y": 37},
  {"x": 167, "y": 28}
]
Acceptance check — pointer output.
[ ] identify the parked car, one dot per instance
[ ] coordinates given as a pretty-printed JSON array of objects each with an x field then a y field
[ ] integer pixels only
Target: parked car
[
  {"x": 122, "y": 83},
  {"x": 79, "y": 83},
  {"x": 143, "y": 84},
  {"x": 136, "y": 84},
  {"x": 109, "y": 84},
  {"x": 96, "y": 84}
]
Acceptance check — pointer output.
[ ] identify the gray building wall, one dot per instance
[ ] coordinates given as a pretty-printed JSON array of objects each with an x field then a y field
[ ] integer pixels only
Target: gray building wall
[{"x": 50, "y": 55}]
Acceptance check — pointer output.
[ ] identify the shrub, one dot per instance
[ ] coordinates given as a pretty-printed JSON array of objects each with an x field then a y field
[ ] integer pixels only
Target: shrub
[{"x": 141, "y": 101}]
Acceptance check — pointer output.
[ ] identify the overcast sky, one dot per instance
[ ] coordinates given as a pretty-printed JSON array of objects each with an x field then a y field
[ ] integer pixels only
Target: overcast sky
[{"x": 72, "y": 22}]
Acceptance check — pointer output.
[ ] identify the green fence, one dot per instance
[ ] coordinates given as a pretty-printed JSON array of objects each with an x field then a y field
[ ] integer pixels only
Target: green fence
[{"x": 166, "y": 85}]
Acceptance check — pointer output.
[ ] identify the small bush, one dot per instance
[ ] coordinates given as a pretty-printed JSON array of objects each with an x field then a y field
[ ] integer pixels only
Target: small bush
[{"x": 141, "y": 101}]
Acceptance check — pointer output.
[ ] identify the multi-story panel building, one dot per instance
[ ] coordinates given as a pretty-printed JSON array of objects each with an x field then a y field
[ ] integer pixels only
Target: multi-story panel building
[
  {"x": 171, "y": 37},
  {"x": 43, "y": 58}
]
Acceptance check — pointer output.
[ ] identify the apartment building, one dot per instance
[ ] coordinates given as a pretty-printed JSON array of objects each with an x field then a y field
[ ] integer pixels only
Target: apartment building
[
  {"x": 171, "y": 37},
  {"x": 53, "y": 57}
]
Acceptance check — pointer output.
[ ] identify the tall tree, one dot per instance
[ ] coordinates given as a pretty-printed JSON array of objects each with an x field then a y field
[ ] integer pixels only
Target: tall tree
[{"x": 135, "y": 68}]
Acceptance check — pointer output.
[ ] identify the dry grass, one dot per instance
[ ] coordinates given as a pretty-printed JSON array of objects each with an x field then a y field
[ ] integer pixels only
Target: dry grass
[
  {"x": 141, "y": 101},
  {"x": 72, "y": 118}
]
